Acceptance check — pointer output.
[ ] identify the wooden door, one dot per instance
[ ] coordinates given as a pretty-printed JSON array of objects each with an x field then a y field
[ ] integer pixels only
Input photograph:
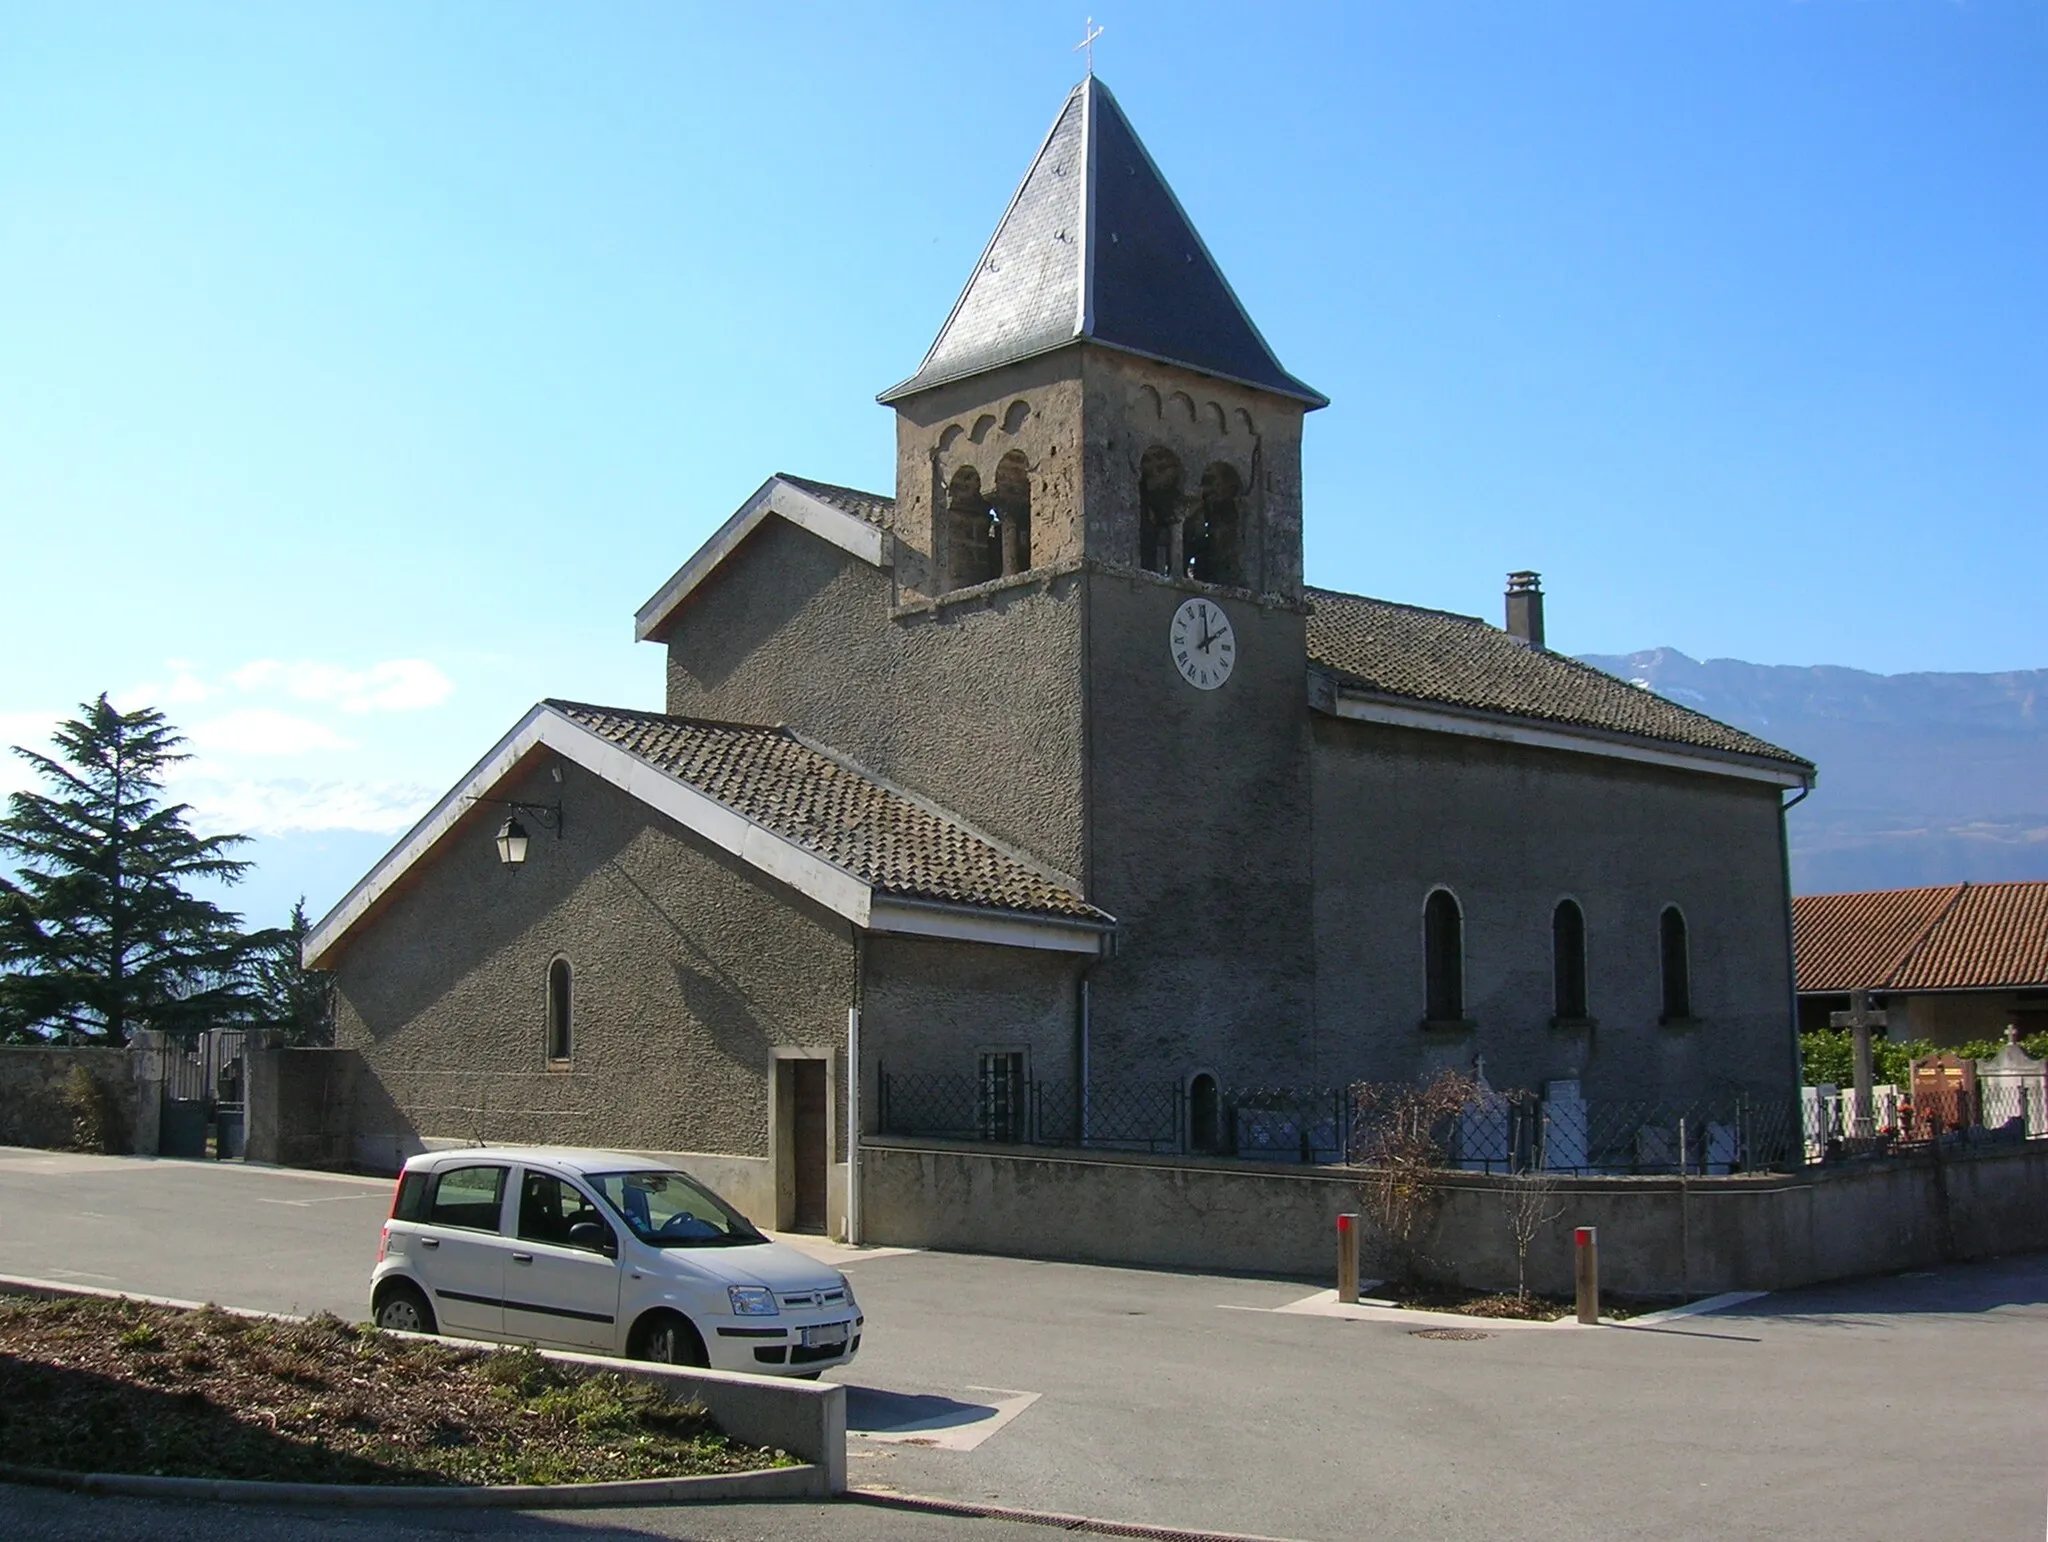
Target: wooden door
[{"x": 810, "y": 1153}]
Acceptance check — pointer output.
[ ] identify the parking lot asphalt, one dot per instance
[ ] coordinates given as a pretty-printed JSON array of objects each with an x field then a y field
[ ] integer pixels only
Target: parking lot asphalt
[{"x": 1915, "y": 1403}]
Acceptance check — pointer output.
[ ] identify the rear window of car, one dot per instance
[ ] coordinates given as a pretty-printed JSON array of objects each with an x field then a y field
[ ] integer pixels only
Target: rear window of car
[
  {"x": 411, "y": 1197},
  {"x": 467, "y": 1196}
]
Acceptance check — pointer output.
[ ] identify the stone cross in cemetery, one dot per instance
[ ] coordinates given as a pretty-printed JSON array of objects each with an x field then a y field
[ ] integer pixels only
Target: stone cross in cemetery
[{"x": 1860, "y": 1019}]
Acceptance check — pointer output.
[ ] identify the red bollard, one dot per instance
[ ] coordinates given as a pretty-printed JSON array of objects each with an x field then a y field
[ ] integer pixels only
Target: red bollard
[
  {"x": 1347, "y": 1259},
  {"x": 1586, "y": 1272}
]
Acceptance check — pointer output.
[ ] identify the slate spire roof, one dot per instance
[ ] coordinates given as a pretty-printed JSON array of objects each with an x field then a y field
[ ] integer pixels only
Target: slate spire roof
[{"x": 1095, "y": 246}]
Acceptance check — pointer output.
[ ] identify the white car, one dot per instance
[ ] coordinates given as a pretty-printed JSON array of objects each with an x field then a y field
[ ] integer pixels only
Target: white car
[{"x": 606, "y": 1252}]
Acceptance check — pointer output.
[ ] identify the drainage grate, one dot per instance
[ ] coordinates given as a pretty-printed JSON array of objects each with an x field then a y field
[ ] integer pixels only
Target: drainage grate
[{"x": 1455, "y": 1335}]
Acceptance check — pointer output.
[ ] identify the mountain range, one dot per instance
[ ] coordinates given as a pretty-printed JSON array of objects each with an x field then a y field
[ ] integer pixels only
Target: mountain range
[{"x": 1924, "y": 778}]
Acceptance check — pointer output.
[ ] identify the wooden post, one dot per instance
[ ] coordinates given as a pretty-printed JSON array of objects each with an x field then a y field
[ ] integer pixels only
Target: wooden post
[
  {"x": 1586, "y": 1272},
  {"x": 1347, "y": 1259}
]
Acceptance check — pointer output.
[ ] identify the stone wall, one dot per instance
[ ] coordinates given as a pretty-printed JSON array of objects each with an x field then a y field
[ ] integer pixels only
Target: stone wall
[
  {"x": 973, "y": 703},
  {"x": 36, "y": 1107},
  {"x": 1658, "y": 1236},
  {"x": 1201, "y": 845},
  {"x": 1511, "y": 831},
  {"x": 688, "y": 975}
]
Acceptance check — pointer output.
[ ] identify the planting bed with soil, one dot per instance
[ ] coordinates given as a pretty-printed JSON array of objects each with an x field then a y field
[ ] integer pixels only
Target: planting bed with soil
[{"x": 124, "y": 1387}]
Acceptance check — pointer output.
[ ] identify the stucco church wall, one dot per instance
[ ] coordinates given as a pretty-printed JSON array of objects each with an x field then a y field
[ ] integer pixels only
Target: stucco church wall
[
  {"x": 930, "y": 1007},
  {"x": 1511, "y": 831},
  {"x": 687, "y": 975},
  {"x": 793, "y": 630},
  {"x": 1200, "y": 841}
]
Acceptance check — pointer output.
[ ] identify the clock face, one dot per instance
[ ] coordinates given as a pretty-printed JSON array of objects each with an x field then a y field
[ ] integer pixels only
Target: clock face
[{"x": 1203, "y": 646}]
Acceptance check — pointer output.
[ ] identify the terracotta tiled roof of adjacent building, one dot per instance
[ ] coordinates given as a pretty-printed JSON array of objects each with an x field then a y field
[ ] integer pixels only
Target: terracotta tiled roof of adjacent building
[
  {"x": 830, "y": 807},
  {"x": 1959, "y": 937},
  {"x": 1460, "y": 661}
]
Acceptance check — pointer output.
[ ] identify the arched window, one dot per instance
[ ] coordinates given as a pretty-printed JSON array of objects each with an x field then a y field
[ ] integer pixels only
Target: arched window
[
  {"x": 1013, "y": 511},
  {"x": 1443, "y": 947},
  {"x": 1205, "y": 1114},
  {"x": 1677, "y": 964},
  {"x": 561, "y": 1027},
  {"x": 1158, "y": 508},
  {"x": 1216, "y": 555},
  {"x": 1568, "y": 962},
  {"x": 974, "y": 553}
]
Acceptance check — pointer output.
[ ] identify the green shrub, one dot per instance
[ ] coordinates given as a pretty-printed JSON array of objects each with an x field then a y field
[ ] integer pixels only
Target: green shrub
[
  {"x": 95, "y": 1120},
  {"x": 1829, "y": 1055}
]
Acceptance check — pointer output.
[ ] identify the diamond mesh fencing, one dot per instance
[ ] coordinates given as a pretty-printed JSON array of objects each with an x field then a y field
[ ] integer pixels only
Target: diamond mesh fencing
[{"x": 1493, "y": 1131}]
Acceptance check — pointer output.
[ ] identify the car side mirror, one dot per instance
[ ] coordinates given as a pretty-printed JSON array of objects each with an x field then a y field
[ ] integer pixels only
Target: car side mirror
[{"x": 592, "y": 1235}]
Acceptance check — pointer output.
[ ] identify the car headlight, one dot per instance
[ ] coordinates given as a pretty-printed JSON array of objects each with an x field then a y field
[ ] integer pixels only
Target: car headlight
[
  {"x": 751, "y": 1300},
  {"x": 846, "y": 1285}
]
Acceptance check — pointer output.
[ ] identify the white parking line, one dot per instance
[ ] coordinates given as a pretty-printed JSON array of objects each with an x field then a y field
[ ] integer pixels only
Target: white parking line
[{"x": 930, "y": 1419}]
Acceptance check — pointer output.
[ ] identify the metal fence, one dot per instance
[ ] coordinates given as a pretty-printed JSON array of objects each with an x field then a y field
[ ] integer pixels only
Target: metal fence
[
  {"x": 1520, "y": 1132},
  {"x": 1320, "y": 1125}
]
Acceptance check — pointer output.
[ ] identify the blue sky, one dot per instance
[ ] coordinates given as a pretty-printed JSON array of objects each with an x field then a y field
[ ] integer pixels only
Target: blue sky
[{"x": 363, "y": 367}]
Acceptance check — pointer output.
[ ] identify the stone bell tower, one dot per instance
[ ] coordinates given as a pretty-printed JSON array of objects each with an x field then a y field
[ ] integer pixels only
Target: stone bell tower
[
  {"x": 1100, "y": 460},
  {"x": 1098, "y": 394}
]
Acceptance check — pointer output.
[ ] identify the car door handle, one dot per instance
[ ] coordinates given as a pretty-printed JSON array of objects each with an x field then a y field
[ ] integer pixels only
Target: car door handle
[
  {"x": 522, "y": 1258},
  {"x": 430, "y": 1242}
]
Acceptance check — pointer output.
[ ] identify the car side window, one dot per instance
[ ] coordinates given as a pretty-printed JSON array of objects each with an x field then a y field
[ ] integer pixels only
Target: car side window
[
  {"x": 548, "y": 1208},
  {"x": 468, "y": 1197}
]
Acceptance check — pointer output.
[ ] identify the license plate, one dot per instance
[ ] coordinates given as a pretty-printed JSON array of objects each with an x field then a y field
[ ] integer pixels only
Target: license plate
[{"x": 824, "y": 1335}]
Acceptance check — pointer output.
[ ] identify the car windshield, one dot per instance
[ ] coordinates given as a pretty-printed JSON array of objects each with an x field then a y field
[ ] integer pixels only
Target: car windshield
[{"x": 667, "y": 1210}]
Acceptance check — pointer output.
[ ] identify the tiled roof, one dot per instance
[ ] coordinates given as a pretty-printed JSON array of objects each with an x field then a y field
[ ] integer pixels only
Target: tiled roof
[
  {"x": 832, "y": 810},
  {"x": 1460, "y": 661},
  {"x": 872, "y": 507},
  {"x": 1848, "y": 942},
  {"x": 1966, "y": 936},
  {"x": 1094, "y": 245}
]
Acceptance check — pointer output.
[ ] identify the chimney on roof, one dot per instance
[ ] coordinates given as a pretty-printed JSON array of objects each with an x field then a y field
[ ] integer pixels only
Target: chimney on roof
[{"x": 1525, "y": 608}]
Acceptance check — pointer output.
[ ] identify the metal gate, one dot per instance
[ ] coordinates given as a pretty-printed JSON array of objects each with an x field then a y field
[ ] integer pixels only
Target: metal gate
[{"x": 204, "y": 1085}]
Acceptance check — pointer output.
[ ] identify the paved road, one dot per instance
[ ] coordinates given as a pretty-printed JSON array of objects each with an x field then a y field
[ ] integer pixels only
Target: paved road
[{"x": 1915, "y": 1404}]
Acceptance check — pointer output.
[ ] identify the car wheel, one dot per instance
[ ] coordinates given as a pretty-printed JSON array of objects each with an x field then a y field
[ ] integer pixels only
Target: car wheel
[
  {"x": 667, "y": 1339},
  {"x": 403, "y": 1308}
]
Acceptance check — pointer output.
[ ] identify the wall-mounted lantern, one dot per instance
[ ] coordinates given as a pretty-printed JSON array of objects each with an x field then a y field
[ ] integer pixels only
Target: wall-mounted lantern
[{"x": 512, "y": 841}]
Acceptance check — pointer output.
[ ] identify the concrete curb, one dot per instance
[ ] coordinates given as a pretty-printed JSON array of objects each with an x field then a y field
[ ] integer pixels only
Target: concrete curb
[
  {"x": 764, "y": 1483},
  {"x": 889, "y": 1499}
]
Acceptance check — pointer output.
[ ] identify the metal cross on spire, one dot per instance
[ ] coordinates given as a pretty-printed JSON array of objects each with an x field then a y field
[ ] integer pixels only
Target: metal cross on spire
[{"x": 1086, "y": 47}]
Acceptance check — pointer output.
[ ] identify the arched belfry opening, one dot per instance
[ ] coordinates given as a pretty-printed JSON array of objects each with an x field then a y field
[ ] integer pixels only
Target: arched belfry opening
[
  {"x": 1216, "y": 534},
  {"x": 1012, "y": 505},
  {"x": 1159, "y": 483},
  {"x": 974, "y": 551}
]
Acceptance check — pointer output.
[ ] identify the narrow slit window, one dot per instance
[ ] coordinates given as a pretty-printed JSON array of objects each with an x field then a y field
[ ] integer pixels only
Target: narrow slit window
[
  {"x": 1443, "y": 943},
  {"x": 561, "y": 1018},
  {"x": 1568, "y": 961},
  {"x": 1677, "y": 965}
]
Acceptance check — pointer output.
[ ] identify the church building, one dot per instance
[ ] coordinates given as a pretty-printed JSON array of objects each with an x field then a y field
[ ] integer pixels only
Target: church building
[{"x": 1045, "y": 785}]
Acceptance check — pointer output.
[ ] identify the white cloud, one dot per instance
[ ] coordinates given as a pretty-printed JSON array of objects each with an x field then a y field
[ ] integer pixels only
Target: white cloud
[
  {"x": 263, "y": 731},
  {"x": 394, "y": 685},
  {"x": 285, "y": 806}
]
